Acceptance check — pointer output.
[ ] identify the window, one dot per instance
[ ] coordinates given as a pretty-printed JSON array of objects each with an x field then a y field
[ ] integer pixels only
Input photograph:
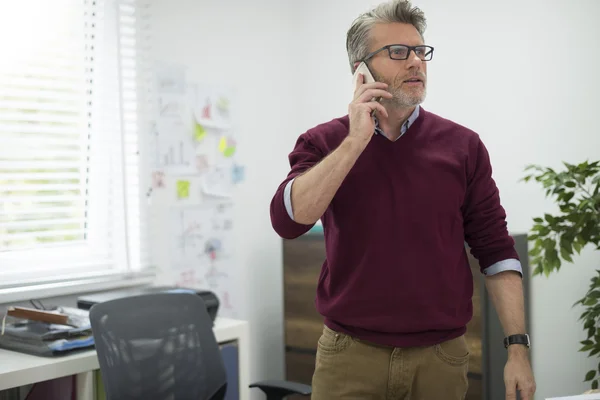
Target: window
[{"x": 74, "y": 96}]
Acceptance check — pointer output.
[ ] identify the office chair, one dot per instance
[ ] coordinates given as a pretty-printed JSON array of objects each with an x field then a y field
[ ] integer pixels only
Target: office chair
[{"x": 162, "y": 346}]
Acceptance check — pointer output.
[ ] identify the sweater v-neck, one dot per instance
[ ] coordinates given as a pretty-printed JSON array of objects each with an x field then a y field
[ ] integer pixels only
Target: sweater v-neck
[{"x": 410, "y": 135}]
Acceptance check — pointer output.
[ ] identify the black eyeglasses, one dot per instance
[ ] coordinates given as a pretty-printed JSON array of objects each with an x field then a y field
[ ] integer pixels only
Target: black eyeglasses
[{"x": 401, "y": 52}]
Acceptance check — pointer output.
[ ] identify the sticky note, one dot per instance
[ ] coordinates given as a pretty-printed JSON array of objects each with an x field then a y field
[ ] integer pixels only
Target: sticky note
[
  {"x": 199, "y": 132},
  {"x": 183, "y": 189},
  {"x": 237, "y": 173},
  {"x": 227, "y": 146},
  {"x": 223, "y": 103},
  {"x": 223, "y": 106}
]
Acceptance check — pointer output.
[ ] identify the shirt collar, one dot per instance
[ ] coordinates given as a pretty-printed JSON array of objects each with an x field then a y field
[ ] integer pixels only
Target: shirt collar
[{"x": 412, "y": 118}]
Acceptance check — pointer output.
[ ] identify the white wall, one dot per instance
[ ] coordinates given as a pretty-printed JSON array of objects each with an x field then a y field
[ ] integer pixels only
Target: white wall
[
  {"x": 238, "y": 44},
  {"x": 524, "y": 74}
]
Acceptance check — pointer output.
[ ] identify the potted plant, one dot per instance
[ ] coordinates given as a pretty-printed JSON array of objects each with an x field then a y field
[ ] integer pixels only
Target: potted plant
[{"x": 557, "y": 237}]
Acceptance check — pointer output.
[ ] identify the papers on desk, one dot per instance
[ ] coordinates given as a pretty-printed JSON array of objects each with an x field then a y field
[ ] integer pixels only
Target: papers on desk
[
  {"x": 595, "y": 396},
  {"x": 48, "y": 339}
]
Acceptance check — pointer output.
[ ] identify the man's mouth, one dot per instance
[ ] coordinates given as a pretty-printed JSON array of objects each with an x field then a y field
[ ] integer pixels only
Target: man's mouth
[{"x": 414, "y": 80}]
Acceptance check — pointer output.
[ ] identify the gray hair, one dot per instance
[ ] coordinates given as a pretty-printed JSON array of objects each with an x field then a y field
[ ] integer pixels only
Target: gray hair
[{"x": 401, "y": 11}]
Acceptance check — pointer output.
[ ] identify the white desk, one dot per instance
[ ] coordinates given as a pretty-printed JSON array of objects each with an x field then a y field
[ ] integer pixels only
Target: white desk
[{"x": 19, "y": 369}]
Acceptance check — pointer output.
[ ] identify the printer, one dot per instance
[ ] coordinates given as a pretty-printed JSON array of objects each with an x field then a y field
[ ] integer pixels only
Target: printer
[{"x": 210, "y": 299}]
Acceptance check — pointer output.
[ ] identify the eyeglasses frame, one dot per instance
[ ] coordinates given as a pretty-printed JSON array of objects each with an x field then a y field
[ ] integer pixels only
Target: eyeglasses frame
[{"x": 389, "y": 46}]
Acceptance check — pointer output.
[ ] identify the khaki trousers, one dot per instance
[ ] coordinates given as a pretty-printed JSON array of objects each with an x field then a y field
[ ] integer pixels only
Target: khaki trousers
[{"x": 348, "y": 368}]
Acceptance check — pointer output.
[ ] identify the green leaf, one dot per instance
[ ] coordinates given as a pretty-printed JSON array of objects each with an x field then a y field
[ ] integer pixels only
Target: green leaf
[
  {"x": 570, "y": 184},
  {"x": 535, "y": 251},
  {"x": 590, "y": 301},
  {"x": 595, "y": 385},
  {"x": 565, "y": 255},
  {"x": 549, "y": 244},
  {"x": 586, "y": 342},
  {"x": 538, "y": 220},
  {"x": 544, "y": 230},
  {"x": 590, "y": 375},
  {"x": 568, "y": 197},
  {"x": 555, "y": 261},
  {"x": 590, "y": 322},
  {"x": 587, "y": 348}
]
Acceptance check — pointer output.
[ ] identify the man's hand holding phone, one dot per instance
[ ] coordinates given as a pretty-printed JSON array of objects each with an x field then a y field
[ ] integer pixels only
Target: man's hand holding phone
[
  {"x": 360, "y": 110},
  {"x": 313, "y": 190}
]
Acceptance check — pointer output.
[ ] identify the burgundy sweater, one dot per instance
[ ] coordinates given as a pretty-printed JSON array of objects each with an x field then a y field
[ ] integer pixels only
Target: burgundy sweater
[{"x": 396, "y": 270}]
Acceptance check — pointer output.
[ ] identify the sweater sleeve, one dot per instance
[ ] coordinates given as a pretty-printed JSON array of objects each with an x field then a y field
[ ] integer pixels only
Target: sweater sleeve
[
  {"x": 484, "y": 217},
  {"x": 303, "y": 157}
]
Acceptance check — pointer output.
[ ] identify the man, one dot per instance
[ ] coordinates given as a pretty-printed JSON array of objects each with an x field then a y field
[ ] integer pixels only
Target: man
[{"x": 399, "y": 190}]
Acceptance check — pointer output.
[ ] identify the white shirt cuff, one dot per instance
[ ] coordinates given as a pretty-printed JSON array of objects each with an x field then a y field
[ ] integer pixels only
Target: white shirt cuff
[
  {"x": 510, "y": 264},
  {"x": 287, "y": 199}
]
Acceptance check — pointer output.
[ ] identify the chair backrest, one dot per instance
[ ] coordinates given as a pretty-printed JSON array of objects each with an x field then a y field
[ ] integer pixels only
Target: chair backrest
[{"x": 158, "y": 346}]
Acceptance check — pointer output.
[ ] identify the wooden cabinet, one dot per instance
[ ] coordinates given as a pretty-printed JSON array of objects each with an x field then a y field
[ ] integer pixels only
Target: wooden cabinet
[{"x": 302, "y": 260}]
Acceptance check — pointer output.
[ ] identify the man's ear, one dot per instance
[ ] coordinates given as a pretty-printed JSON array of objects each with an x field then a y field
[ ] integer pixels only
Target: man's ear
[{"x": 356, "y": 64}]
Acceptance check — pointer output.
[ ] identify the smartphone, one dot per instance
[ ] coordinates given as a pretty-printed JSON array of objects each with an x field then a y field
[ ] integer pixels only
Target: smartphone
[{"x": 362, "y": 69}]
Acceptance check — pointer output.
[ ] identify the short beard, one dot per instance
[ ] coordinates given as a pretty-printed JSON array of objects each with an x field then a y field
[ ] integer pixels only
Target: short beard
[{"x": 401, "y": 99}]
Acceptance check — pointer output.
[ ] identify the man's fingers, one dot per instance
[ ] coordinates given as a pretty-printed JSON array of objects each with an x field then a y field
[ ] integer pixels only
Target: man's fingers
[
  {"x": 526, "y": 394},
  {"x": 380, "y": 109},
  {"x": 527, "y": 390},
  {"x": 359, "y": 81},
  {"x": 368, "y": 108},
  {"x": 374, "y": 93},
  {"x": 511, "y": 391},
  {"x": 362, "y": 88}
]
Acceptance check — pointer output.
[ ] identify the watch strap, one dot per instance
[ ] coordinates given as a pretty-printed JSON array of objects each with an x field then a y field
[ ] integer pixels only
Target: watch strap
[{"x": 517, "y": 339}]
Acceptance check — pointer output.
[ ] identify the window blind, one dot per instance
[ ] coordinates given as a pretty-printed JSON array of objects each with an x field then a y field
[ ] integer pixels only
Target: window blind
[
  {"x": 138, "y": 102},
  {"x": 74, "y": 91}
]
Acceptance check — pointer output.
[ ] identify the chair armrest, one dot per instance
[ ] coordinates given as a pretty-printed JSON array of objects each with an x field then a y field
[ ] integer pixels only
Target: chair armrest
[{"x": 276, "y": 389}]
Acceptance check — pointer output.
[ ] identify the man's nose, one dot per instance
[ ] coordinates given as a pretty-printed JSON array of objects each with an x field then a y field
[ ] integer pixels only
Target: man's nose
[{"x": 413, "y": 60}]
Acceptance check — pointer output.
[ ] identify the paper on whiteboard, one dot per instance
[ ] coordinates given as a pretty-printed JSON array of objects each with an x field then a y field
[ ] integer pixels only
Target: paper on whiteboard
[
  {"x": 202, "y": 251},
  {"x": 212, "y": 107},
  {"x": 202, "y": 238},
  {"x": 172, "y": 126},
  {"x": 175, "y": 150},
  {"x": 218, "y": 182}
]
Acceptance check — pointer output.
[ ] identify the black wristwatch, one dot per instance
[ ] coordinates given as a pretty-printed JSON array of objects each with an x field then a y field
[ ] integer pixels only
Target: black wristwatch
[{"x": 517, "y": 339}]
